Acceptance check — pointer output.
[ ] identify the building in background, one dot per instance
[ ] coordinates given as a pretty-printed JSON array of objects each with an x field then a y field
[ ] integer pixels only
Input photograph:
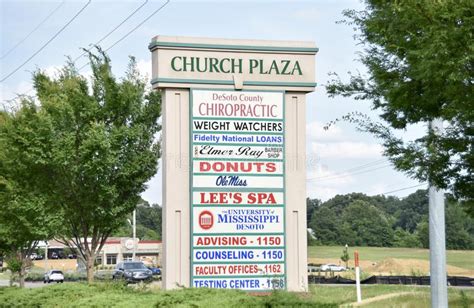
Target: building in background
[
  {"x": 115, "y": 249},
  {"x": 120, "y": 249}
]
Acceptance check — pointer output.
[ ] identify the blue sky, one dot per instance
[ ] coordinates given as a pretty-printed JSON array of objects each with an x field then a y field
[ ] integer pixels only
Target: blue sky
[{"x": 340, "y": 160}]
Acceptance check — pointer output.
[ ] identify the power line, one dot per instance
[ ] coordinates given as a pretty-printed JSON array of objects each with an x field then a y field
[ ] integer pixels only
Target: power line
[
  {"x": 123, "y": 37},
  {"x": 350, "y": 174},
  {"x": 371, "y": 164},
  {"x": 377, "y": 162},
  {"x": 32, "y": 31},
  {"x": 104, "y": 37},
  {"x": 401, "y": 189},
  {"x": 139, "y": 25},
  {"x": 113, "y": 30},
  {"x": 386, "y": 186},
  {"x": 131, "y": 31},
  {"x": 47, "y": 43}
]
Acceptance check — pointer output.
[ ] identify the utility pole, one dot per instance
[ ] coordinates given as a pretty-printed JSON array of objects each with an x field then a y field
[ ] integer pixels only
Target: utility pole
[
  {"x": 438, "y": 279},
  {"x": 134, "y": 227},
  {"x": 46, "y": 256}
]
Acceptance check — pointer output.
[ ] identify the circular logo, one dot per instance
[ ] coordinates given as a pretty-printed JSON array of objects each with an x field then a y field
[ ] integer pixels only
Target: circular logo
[
  {"x": 206, "y": 220},
  {"x": 129, "y": 244}
]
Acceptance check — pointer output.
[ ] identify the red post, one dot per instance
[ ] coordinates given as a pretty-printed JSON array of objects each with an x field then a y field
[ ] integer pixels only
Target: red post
[{"x": 357, "y": 272}]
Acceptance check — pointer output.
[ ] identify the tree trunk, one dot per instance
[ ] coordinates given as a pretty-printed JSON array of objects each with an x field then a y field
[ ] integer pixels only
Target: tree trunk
[
  {"x": 90, "y": 258},
  {"x": 22, "y": 274}
]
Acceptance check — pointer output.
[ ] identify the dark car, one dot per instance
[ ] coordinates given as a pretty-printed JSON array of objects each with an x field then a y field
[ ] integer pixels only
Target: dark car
[
  {"x": 132, "y": 272},
  {"x": 155, "y": 270}
]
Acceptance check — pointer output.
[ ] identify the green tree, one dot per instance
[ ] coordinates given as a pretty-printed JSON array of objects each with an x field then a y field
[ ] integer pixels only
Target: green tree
[
  {"x": 102, "y": 148},
  {"x": 347, "y": 234},
  {"x": 311, "y": 206},
  {"x": 150, "y": 235},
  {"x": 340, "y": 202},
  {"x": 327, "y": 219},
  {"x": 311, "y": 239},
  {"x": 345, "y": 256},
  {"x": 402, "y": 238},
  {"x": 370, "y": 225},
  {"x": 26, "y": 215},
  {"x": 412, "y": 210},
  {"x": 423, "y": 232},
  {"x": 459, "y": 227},
  {"x": 325, "y": 225},
  {"x": 148, "y": 222},
  {"x": 419, "y": 57},
  {"x": 150, "y": 217}
]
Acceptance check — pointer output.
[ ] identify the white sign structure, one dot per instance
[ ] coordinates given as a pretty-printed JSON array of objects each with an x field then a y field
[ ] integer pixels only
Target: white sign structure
[
  {"x": 238, "y": 190},
  {"x": 234, "y": 161}
]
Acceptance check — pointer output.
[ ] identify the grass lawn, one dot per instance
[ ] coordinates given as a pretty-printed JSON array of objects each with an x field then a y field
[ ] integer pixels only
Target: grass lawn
[
  {"x": 116, "y": 295},
  {"x": 418, "y": 296},
  {"x": 459, "y": 258}
]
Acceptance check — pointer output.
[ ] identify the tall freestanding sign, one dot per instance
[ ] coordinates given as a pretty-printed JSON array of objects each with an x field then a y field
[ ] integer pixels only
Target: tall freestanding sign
[{"x": 234, "y": 197}]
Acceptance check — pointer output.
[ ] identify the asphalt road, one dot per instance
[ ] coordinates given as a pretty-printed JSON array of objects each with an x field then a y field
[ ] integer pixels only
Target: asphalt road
[
  {"x": 28, "y": 284},
  {"x": 40, "y": 284}
]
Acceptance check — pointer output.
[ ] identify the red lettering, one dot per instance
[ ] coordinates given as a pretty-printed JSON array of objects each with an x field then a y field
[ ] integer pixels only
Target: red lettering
[
  {"x": 237, "y": 198},
  {"x": 204, "y": 166},
  {"x": 213, "y": 197},
  {"x": 221, "y": 241},
  {"x": 271, "y": 199},
  {"x": 242, "y": 167},
  {"x": 223, "y": 198},
  {"x": 259, "y": 166},
  {"x": 271, "y": 167},
  {"x": 203, "y": 200}
]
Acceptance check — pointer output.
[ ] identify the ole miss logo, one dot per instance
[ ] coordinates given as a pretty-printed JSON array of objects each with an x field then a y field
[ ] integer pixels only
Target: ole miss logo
[{"x": 206, "y": 220}]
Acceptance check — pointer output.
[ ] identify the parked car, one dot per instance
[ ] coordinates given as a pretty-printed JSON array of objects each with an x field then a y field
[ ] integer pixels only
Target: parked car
[
  {"x": 54, "y": 255},
  {"x": 132, "y": 272},
  {"x": 155, "y": 270},
  {"x": 53, "y": 276},
  {"x": 72, "y": 256},
  {"x": 333, "y": 267},
  {"x": 35, "y": 256}
]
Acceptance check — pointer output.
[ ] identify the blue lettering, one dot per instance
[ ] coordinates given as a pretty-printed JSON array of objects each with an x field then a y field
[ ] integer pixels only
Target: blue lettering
[{"x": 226, "y": 180}]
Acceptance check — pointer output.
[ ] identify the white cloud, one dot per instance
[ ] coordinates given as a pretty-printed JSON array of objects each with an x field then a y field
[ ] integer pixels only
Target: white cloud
[
  {"x": 323, "y": 183},
  {"x": 87, "y": 74},
  {"x": 315, "y": 132},
  {"x": 346, "y": 149},
  {"x": 144, "y": 67},
  {"x": 153, "y": 194},
  {"x": 309, "y": 14},
  {"x": 53, "y": 70},
  {"x": 22, "y": 88},
  {"x": 321, "y": 173},
  {"x": 377, "y": 188},
  {"x": 321, "y": 192}
]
